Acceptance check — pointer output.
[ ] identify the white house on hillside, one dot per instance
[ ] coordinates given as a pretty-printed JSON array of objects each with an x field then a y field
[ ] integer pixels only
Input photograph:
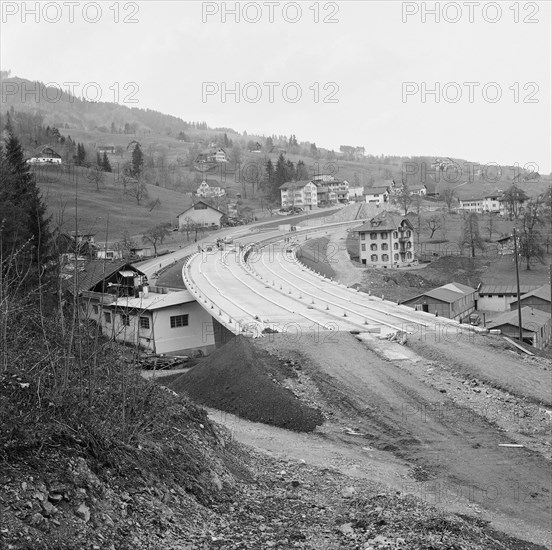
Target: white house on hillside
[
  {"x": 302, "y": 194},
  {"x": 202, "y": 214},
  {"x": 376, "y": 195},
  {"x": 206, "y": 189}
]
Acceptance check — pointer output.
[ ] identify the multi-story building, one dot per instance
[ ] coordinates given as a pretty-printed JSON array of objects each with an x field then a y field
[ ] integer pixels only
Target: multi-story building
[
  {"x": 386, "y": 241},
  {"x": 376, "y": 195},
  {"x": 302, "y": 194}
]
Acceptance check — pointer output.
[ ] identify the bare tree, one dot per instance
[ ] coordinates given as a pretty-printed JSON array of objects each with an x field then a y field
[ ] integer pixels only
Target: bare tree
[
  {"x": 530, "y": 240},
  {"x": 470, "y": 234},
  {"x": 449, "y": 196},
  {"x": 138, "y": 190},
  {"x": 95, "y": 175},
  {"x": 433, "y": 223},
  {"x": 443, "y": 227},
  {"x": 490, "y": 226},
  {"x": 514, "y": 199},
  {"x": 402, "y": 198},
  {"x": 156, "y": 235}
]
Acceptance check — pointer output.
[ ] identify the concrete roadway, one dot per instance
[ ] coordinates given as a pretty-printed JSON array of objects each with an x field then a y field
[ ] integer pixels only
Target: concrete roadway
[{"x": 272, "y": 290}]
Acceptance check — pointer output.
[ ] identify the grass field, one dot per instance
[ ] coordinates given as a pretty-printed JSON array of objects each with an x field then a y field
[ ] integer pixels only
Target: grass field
[{"x": 73, "y": 199}]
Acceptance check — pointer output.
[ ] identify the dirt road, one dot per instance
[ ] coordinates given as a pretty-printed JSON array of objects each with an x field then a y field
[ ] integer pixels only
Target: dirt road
[{"x": 454, "y": 457}]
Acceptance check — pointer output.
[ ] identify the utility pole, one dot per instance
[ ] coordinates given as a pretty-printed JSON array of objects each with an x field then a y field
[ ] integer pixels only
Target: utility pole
[{"x": 518, "y": 292}]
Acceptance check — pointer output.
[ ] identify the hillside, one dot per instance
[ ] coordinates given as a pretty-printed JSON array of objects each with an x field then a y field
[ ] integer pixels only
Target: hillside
[{"x": 106, "y": 212}]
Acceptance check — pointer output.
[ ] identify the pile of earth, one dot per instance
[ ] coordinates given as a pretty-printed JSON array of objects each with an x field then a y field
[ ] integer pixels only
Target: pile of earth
[{"x": 241, "y": 379}]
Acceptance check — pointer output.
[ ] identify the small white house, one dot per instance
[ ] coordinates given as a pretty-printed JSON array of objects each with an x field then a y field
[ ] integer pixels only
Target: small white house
[
  {"x": 376, "y": 195},
  {"x": 202, "y": 214},
  {"x": 206, "y": 189}
]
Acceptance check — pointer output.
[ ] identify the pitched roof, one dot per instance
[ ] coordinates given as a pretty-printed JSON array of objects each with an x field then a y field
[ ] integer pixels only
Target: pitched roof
[
  {"x": 416, "y": 186},
  {"x": 531, "y": 319},
  {"x": 295, "y": 184},
  {"x": 542, "y": 292},
  {"x": 376, "y": 190},
  {"x": 97, "y": 270},
  {"x": 202, "y": 202},
  {"x": 504, "y": 289},
  {"x": 448, "y": 293},
  {"x": 383, "y": 222}
]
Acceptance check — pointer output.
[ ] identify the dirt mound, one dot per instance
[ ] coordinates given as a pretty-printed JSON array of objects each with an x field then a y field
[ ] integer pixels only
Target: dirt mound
[{"x": 243, "y": 380}]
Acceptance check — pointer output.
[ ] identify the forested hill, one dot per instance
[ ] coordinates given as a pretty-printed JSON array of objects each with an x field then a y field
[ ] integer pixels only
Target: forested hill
[{"x": 64, "y": 110}]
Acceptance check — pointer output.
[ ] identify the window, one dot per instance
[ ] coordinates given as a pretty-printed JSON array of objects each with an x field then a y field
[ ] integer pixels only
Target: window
[
  {"x": 409, "y": 255},
  {"x": 179, "y": 321},
  {"x": 396, "y": 256},
  {"x": 374, "y": 257},
  {"x": 383, "y": 235},
  {"x": 107, "y": 317},
  {"x": 95, "y": 310},
  {"x": 125, "y": 320},
  {"x": 373, "y": 236},
  {"x": 363, "y": 236},
  {"x": 384, "y": 258},
  {"x": 396, "y": 246},
  {"x": 408, "y": 244},
  {"x": 384, "y": 246},
  {"x": 408, "y": 233},
  {"x": 363, "y": 248},
  {"x": 395, "y": 234},
  {"x": 373, "y": 247},
  {"x": 144, "y": 322}
]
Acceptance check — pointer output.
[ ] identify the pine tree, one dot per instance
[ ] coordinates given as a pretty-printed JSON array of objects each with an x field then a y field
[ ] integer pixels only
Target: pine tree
[
  {"x": 137, "y": 161},
  {"x": 22, "y": 212},
  {"x": 99, "y": 159},
  {"x": 106, "y": 165}
]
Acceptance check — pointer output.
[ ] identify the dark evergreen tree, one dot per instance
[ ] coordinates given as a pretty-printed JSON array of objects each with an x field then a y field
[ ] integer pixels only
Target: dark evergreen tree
[
  {"x": 99, "y": 161},
  {"x": 137, "y": 161},
  {"x": 106, "y": 165},
  {"x": 22, "y": 212}
]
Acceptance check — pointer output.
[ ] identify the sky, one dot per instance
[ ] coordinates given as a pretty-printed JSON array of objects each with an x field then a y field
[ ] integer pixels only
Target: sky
[{"x": 471, "y": 80}]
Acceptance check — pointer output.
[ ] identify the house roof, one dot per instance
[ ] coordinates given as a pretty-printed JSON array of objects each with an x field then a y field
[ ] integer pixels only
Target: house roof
[
  {"x": 448, "y": 293},
  {"x": 376, "y": 190},
  {"x": 97, "y": 270},
  {"x": 154, "y": 301},
  {"x": 202, "y": 202},
  {"x": 542, "y": 292},
  {"x": 295, "y": 184},
  {"x": 384, "y": 222},
  {"x": 531, "y": 319},
  {"x": 504, "y": 289},
  {"x": 416, "y": 186}
]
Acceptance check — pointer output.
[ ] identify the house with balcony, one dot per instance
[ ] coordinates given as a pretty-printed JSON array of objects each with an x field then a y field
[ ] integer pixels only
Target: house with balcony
[
  {"x": 386, "y": 241},
  {"x": 302, "y": 194}
]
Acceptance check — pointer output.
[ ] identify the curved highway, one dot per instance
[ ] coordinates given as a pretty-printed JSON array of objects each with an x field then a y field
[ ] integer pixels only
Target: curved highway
[{"x": 262, "y": 288}]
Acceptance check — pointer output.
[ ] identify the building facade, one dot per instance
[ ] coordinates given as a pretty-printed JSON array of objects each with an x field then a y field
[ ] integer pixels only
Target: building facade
[
  {"x": 386, "y": 241},
  {"x": 202, "y": 214},
  {"x": 302, "y": 194},
  {"x": 453, "y": 301}
]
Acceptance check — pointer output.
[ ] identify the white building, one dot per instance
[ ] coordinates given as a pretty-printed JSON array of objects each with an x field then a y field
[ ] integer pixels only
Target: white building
[
  {"x": 386, "y": 241},
  {"x": 206, "y": 189},
  {"x": 355, "y": 191},
  {"x": 376, "y": 195},
  {"x": 302, "y": 194},
  {"x": 162, "y": 323},
  {"x": 202, "y": 214}
]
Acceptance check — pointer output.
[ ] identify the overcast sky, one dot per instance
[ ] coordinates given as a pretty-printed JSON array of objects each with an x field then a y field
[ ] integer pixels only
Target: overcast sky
[{"x": 361, "y": 69}]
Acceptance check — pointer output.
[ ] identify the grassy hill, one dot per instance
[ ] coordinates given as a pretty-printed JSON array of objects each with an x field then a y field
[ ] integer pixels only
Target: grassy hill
[{"x": 60, "y": 190}]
